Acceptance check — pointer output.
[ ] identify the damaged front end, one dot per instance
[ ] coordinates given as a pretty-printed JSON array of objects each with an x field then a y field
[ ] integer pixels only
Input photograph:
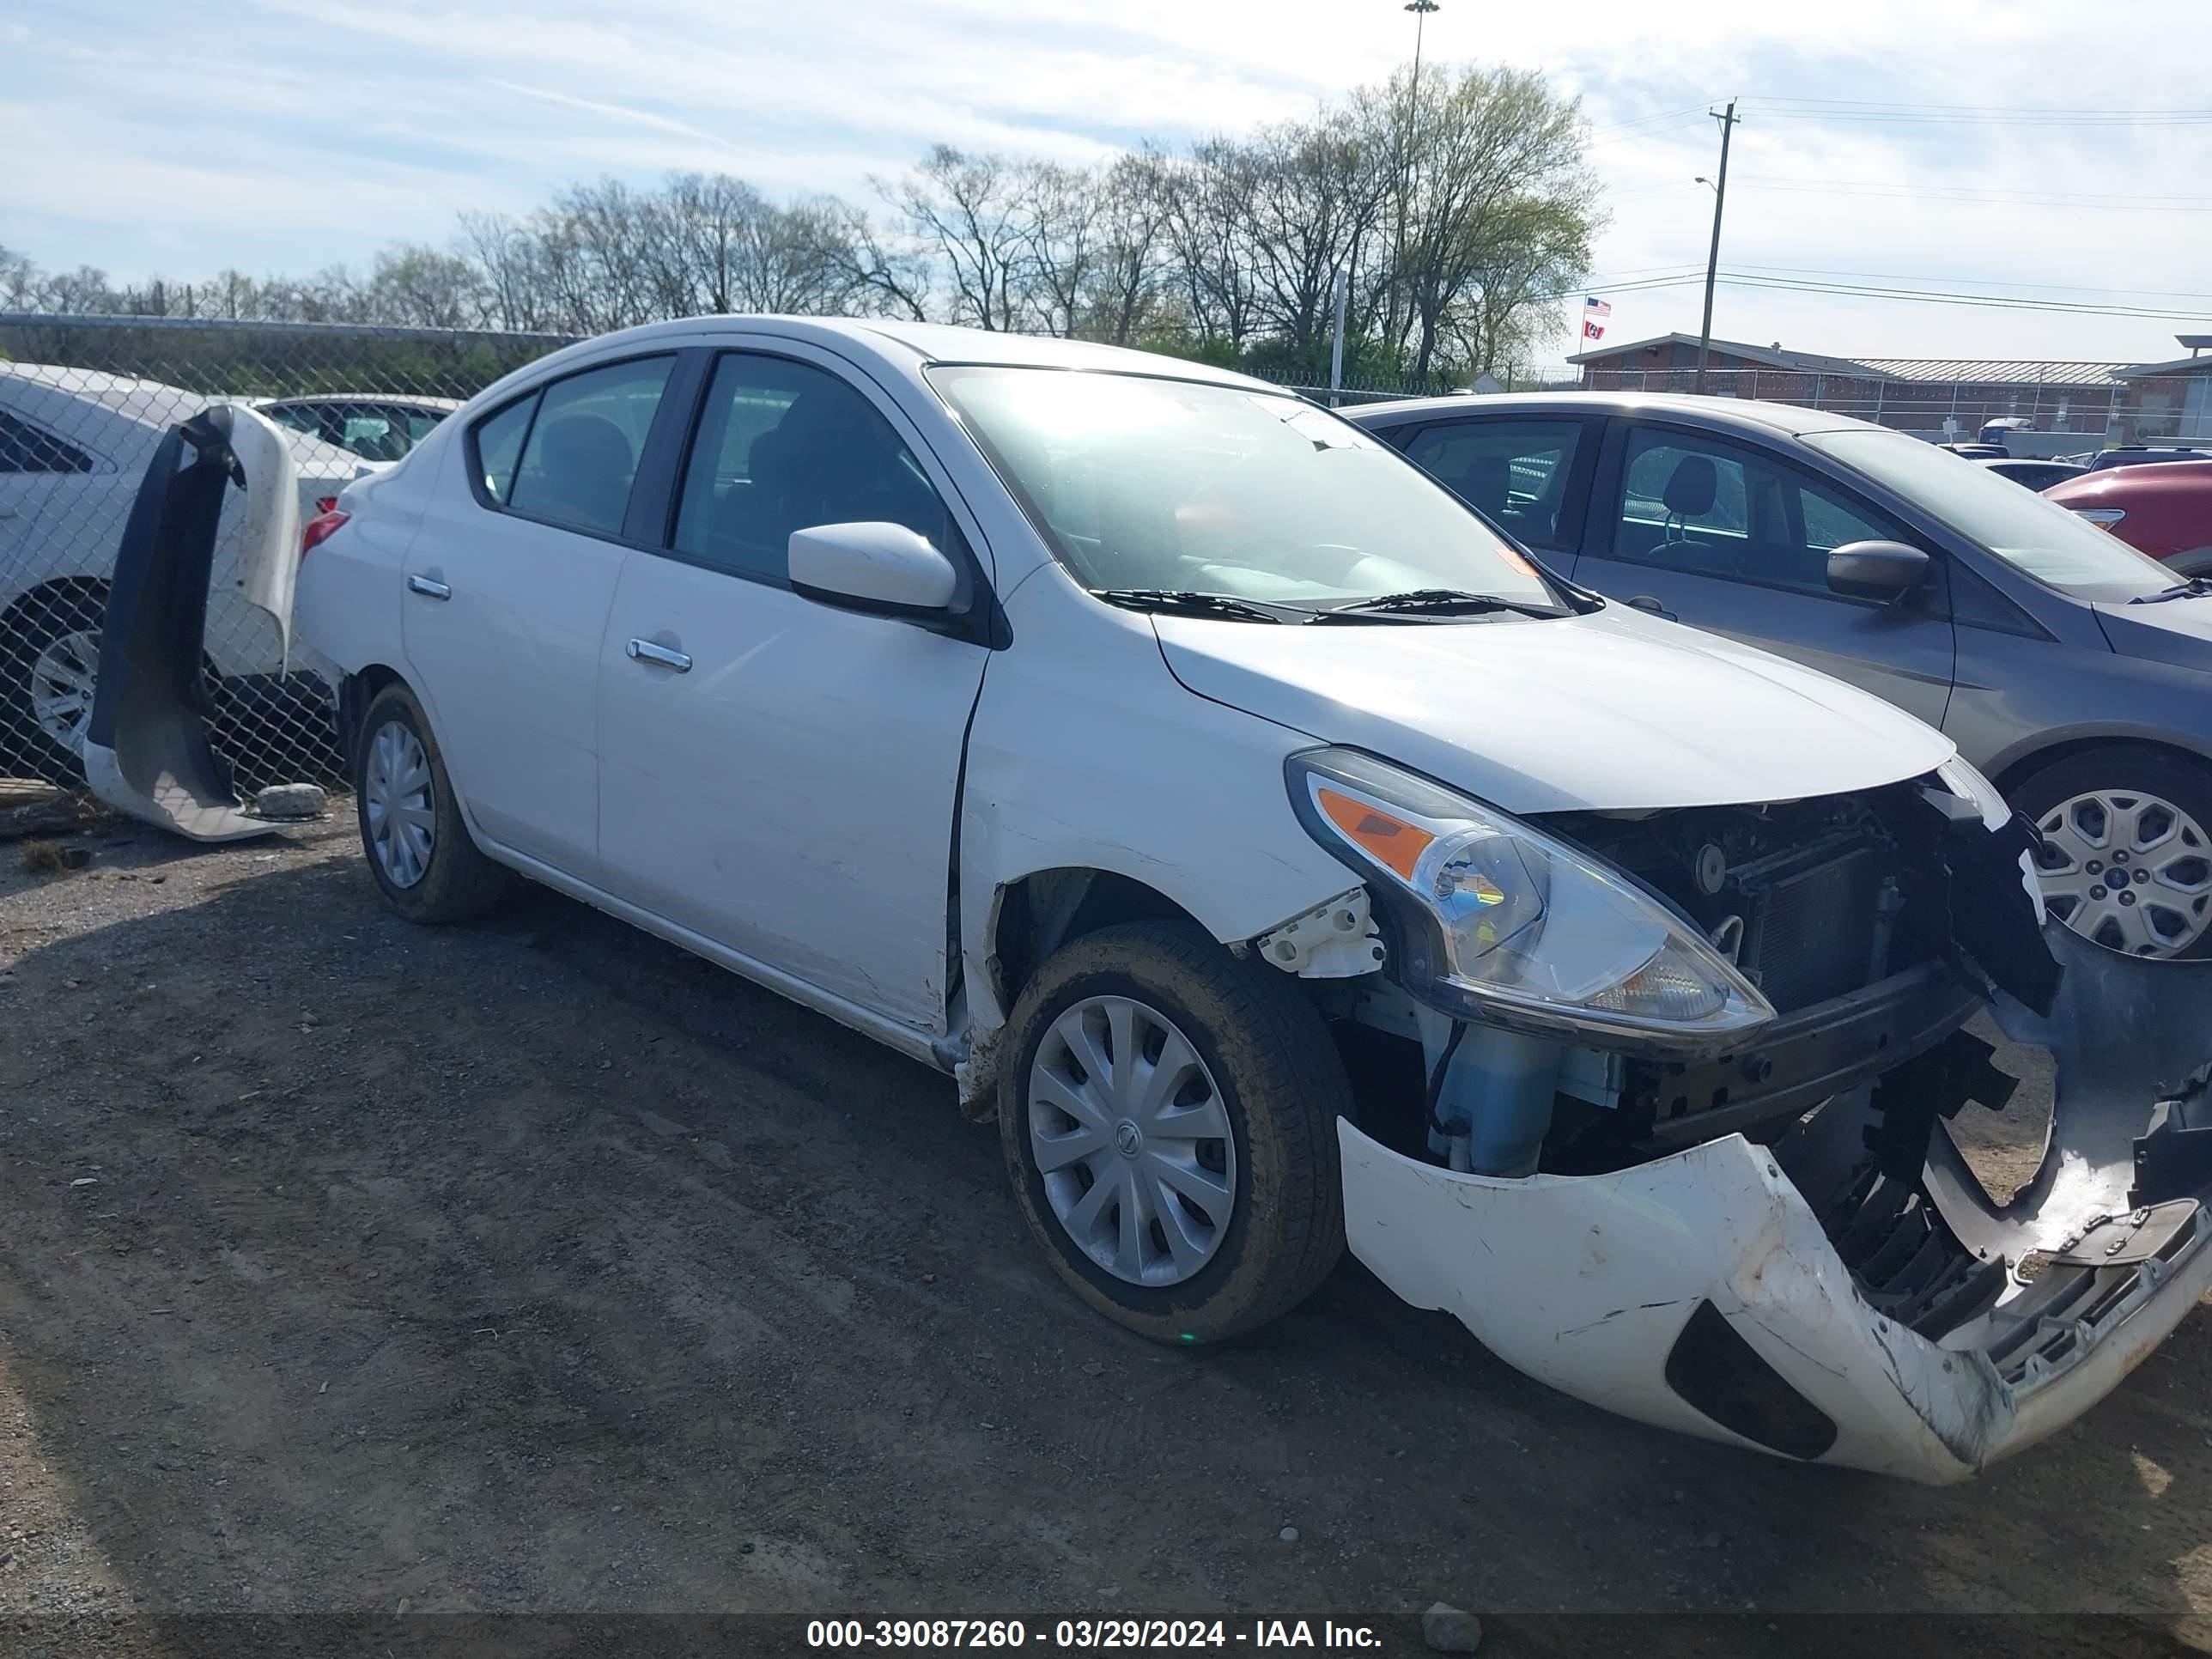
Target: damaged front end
[{"x": 1758, "y": 1227}]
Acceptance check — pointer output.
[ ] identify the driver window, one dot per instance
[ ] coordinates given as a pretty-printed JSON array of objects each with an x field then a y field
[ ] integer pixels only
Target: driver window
[
  {"x": 1514, "y": 472},
  {"x": 783, "y": 446},
  {"x": 1711, "y": 509}
]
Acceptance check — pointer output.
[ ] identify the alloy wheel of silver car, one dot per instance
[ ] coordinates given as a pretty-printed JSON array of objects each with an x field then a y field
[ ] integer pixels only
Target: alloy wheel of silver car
[
  {"x": 2129, "y": 869},
  {"x": 398, "y": 804},
  {"x": 63, "y": 679},
  {"x": 1133, "y": 1141}
]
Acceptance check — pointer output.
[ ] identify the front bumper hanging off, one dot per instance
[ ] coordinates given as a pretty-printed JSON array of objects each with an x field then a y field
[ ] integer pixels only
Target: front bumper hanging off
[{"x": 1702, "y": 1291}]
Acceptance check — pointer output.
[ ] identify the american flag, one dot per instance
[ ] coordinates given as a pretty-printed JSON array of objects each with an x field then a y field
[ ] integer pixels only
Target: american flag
[{"x": 1595, "y": 312}]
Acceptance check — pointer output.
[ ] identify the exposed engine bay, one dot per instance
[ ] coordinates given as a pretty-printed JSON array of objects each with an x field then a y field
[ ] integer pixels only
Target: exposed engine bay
[
  {"x": 1864, "y": 920},
  {"x": 1780, "y": 1244}
]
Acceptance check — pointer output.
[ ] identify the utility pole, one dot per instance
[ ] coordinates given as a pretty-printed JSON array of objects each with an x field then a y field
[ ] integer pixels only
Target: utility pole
[{"x": 1713, "y": 257}]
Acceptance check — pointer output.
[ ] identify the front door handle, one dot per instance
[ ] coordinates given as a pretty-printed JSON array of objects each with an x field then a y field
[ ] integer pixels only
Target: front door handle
[
  {"x": 1644, "y": 602},
  {"x": 428, "y": 587},
  {"x": 647, "y": 651}
]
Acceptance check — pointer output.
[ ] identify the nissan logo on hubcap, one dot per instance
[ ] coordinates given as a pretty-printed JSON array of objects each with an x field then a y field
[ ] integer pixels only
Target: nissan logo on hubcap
[{"x": 1129, "y": 1138}]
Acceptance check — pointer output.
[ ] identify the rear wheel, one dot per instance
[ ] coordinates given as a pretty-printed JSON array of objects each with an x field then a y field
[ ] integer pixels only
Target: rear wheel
[
  {"x": 418, "y": 848},
  {"x": 2127, "y": 848},
  {"x": 53, "y": 670},
  {"x": 1169, "y": 1118}
]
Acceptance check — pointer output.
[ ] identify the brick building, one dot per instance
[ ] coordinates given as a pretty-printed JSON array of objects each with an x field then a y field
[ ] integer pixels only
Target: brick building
[{"x": 2122, "y": 402}]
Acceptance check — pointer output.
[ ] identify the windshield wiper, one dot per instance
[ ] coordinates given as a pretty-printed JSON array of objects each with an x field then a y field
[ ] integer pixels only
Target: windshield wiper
[
  {"x": 1438, "y": 601},
  {"x": 1192, "y": 602},
  {"x": 2196, "y": 587}
]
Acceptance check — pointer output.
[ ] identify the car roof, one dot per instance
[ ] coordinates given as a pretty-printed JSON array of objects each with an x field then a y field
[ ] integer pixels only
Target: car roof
[
  {"x": 378, "y": 400},
  {"x": 911, "y": 347},
  {"x": 1740, "y": 413},
  {"x": 151, "y": 402},
  {"x": 2148, "y": 477}
]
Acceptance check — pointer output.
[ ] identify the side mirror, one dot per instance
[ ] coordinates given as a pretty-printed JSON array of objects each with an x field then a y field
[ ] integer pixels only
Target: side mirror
[
  {"x": 877, "y": 566},
  {"x": 1888, "y": 571}
]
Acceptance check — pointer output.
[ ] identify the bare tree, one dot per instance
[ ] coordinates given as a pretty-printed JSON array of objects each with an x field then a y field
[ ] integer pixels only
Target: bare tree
[
  {"x": 1483, "y": 142},
  {"x": 1126, "y": 277},
  {"x": 1208, "y": 225},
  {"x": 969, "y": 212}
]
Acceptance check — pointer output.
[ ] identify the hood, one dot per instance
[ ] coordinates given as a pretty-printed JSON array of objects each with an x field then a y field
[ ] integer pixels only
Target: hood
[
  {"x": 2176, "y": 631},
  {"x": 1611, "y": 711}
]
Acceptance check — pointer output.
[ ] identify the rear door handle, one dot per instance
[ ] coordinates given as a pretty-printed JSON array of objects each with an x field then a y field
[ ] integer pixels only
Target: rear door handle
[
  {"x": 1645, "y": 603},
  {"x": 428, "y": 588},
  {"x": 647, "y": 651}
]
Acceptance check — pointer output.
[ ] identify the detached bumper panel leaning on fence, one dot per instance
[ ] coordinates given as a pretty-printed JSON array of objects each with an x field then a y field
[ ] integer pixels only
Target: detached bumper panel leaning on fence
[
  {"x": 84, "y": 402},
  {"x": 147, "y": 752},
  {"x": 1750, "y": 1294}
]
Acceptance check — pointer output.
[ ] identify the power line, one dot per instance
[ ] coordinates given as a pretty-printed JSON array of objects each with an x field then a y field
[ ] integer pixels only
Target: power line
[
  {"x": 1980, "y": 195},
  {"x": 1647, "y": 120},
  {"x": 1809, "y": 109},
  {"x": 1982, "y": 190},
  {"x": 1929, "y": 296},
  {"x": 1984, "y": 282},
  {"x": 1972, "y": 109}
]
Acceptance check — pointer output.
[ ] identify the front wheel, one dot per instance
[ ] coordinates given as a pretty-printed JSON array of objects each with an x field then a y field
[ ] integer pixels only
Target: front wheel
[
  {"x": 418, "y": 845},
  {"x": 1168, "y": 1115},
  {"x": 2127, "y": 848}
]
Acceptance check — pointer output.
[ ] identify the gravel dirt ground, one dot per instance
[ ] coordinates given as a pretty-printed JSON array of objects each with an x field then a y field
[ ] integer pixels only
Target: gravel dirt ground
[{"x": 538, "y": 1268}]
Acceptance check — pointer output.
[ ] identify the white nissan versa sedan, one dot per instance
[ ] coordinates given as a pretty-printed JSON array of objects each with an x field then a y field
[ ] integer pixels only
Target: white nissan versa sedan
[{"x": 1281, "y": 857}]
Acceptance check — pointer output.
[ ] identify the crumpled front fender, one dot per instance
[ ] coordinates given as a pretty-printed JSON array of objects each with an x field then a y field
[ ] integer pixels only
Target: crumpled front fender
[{"x": 1648, "y": 1291}]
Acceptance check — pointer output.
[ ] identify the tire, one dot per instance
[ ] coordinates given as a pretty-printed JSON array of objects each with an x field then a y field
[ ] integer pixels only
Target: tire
[
  {"x": 438, "y": 878},
  {"x": 1265, "y": 1059},
  {"x": 2165, "y": 799},
  {"x": 48, "y": 631}
]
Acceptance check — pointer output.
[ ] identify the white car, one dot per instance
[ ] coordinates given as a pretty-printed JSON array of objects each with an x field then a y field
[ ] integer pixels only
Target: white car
[
  {"x": 74, "y": 446},
  {"x": 374, "y": 425},
  {"x": 1278, "y": 857}
]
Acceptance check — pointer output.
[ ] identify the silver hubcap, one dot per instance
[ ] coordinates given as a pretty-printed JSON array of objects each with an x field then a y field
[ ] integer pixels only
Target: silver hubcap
[
  {"x": 397, "y": 800},
  {"x": 1133, "y": 1141},
  {"x": 2130, "y": 871},
  {"x": 62, "y": 680}
]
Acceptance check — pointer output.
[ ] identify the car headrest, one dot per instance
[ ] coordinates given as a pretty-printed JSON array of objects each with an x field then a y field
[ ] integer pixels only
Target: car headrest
[
  {"x": 1486, "y": 482},
  {"x": 588, "y": 448},
  {"x": 1692, "y": 486}
]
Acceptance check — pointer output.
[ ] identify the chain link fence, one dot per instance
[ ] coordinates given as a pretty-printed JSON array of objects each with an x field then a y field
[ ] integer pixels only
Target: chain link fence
[
  {"x": 2059, "y": 417},
  {"x": 83, "y": 402}
]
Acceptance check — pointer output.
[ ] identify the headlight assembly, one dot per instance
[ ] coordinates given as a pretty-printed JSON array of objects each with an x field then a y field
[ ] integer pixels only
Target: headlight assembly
[{"x": 1502, "y": 922}]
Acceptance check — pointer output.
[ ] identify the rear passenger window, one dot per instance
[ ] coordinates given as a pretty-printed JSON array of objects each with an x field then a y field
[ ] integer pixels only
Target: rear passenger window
[
  {"x": 581, "y": 455},
  {"x": 783, "y": 446},
  {"x": 26, "y": 448},
  {"x": 499, "y": 446},
  {"x": 1514, "y": 472}
]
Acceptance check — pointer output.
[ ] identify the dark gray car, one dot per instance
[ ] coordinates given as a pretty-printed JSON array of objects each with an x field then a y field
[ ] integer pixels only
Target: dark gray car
[{"x": 2072, "y": 670}]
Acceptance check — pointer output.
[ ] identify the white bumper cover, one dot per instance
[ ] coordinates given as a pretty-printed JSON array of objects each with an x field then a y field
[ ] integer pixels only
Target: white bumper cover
[{"x": 1591, "y": 1283}]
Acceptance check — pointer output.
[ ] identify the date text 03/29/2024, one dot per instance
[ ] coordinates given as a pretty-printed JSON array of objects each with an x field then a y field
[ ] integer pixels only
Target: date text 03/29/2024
[{"x": 1087, "y": 1633}]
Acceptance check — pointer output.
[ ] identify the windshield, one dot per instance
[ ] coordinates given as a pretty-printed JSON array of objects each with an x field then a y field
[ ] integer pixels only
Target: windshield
[
  {"x": 1173, "y": 486},
  {"x": 2038, "y": 537}
]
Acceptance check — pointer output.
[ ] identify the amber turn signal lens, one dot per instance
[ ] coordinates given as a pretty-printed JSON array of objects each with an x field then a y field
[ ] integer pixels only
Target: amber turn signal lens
[{"x": 1391, "y": 841}]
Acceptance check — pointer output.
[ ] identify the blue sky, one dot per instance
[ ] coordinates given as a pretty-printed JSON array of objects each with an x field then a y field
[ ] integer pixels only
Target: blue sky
[{"x": 295, "y": 134}]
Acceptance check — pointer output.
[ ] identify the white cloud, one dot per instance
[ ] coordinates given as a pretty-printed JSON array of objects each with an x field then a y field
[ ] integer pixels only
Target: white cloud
[{"x": 313, "y": 131}]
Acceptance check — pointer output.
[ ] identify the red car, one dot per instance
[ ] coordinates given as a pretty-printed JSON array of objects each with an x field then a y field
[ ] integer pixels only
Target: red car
[{"x": 2164, "y": 510}]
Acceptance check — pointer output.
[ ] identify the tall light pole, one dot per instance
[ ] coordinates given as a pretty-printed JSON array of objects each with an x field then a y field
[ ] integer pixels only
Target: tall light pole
[
  {"x": 1420, "y": 8},
  {"x": 1713, "y": 256}
]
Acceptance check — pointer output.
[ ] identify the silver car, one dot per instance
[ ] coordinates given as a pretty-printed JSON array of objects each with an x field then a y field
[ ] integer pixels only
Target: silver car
[{"x": 2073, "y": 670}]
